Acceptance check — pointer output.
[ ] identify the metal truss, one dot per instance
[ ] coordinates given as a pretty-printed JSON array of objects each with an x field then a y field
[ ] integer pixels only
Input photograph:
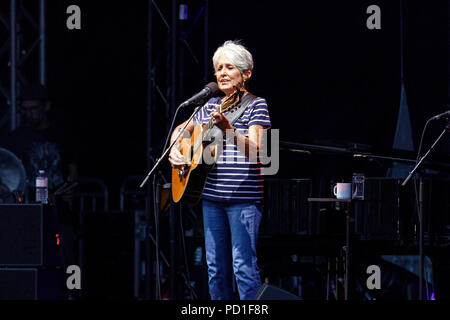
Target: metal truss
[
  {"x": 172, "y": 26},
  {"x": 22, "y": 53},
  {"x": 177, "y": 57}
]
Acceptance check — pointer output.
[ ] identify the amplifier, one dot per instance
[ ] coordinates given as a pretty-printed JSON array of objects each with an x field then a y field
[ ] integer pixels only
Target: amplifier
[
  {"x": 436, "y": 209},
  {"x": 286, "y": 207},
  {"x": 30, "y": 283},
  {"x": 27, "y": 235},
  {"x": 390, "y": 211},
  {"x": 378, "y": 216}
]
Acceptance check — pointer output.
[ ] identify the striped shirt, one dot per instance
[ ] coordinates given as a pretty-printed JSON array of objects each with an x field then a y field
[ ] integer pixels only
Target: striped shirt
[{"x": 234, "y": 178}]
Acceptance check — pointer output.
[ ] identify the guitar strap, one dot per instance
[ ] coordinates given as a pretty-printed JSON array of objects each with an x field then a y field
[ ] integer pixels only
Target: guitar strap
[{"x": 245, "y": 102}]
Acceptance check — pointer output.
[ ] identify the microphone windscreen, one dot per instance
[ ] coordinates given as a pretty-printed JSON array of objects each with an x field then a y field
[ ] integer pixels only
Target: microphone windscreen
[{"x": 213, "y": 87}]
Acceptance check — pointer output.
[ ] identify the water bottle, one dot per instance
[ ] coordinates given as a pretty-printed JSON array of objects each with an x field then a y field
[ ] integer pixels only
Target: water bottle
[
  {"x": 358, "y": 186},
  {"x": 41, "y": 187}
]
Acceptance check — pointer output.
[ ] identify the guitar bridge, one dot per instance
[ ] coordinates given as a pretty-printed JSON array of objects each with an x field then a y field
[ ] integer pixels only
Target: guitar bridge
[{"x": 182, "y": 174}]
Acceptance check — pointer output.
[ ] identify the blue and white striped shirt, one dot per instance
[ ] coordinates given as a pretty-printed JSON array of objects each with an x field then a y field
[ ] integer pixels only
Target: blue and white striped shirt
[{"x": 234, "y": 178}]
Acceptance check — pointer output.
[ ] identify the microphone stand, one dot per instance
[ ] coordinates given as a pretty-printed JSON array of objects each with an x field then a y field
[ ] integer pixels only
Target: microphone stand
[
  {"x": 421, "y": 257},
  {"x": 156, "y": 200}
]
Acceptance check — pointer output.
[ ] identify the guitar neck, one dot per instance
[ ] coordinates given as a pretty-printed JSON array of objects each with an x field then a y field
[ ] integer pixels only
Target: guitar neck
[
  {"x": 226, "y": 105},
  {"x": 209, "y": 125}
]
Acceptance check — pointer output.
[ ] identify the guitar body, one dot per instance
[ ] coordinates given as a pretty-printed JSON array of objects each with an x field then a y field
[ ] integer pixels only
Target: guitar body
[{"x": 189, "y": 185}]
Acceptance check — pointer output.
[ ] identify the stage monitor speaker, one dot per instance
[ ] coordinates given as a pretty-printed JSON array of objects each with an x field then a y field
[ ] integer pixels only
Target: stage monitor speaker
[
  {"x": 27, "y": 235},
  {"x": 30, "y": 284},
  {"x": 269, "y": 292}
]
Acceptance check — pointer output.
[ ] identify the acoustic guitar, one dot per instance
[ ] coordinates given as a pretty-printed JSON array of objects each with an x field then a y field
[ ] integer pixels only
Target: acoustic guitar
[{"x": 187, "y": 185}]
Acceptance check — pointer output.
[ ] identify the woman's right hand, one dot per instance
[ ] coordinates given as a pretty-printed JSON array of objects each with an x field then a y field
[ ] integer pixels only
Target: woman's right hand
[{"x": 176, "y": 159}]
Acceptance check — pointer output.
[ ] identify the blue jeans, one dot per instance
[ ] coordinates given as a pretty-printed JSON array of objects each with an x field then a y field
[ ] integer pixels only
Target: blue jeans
[{"x": 230, "y": 241}]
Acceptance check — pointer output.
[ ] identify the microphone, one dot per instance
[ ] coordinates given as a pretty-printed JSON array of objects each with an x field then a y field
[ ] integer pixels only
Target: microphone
[
  {"x": 442, "y": 115},
  {"x": 209, "y": 91}
]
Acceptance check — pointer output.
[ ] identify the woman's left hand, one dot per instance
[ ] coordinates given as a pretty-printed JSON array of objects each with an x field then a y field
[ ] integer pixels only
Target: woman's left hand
[{"x": 221, "y": 121}]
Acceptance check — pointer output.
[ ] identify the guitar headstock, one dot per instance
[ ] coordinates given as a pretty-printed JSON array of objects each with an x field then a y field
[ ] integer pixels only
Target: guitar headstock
[{"x": 232, "y": 103}]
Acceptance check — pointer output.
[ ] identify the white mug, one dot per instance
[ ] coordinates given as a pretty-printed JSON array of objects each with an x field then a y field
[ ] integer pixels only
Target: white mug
[{"x": 342, "y": 190}]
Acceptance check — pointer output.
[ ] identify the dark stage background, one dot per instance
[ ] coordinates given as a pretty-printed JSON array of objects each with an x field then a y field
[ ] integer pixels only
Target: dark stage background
[{"x": 326, "y": 77}]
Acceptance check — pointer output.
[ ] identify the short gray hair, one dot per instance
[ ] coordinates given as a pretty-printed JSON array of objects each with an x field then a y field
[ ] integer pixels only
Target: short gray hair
[{"x": 237, "y": 53}]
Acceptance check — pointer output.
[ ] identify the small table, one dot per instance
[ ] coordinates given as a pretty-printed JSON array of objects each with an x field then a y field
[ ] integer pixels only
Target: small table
[{"x": 347, "y": 237}]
